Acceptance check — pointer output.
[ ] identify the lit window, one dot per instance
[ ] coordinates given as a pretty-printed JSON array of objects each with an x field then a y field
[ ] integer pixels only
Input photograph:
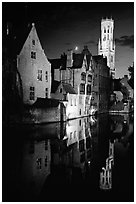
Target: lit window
[
  {"x": 46, "y": 92},
  {"x": 46, "y": 76},
  {"x": 33, "y": 55},
  {"x": 33, "y": 42},
  {"x": 39, "y": 77},
  {"x": 83, "y": 76},
  {"x": 32, "y": 90}
]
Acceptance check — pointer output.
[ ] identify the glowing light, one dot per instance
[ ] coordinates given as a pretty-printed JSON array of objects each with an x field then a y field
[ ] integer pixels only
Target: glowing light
[{"x": 76, "y": 48}]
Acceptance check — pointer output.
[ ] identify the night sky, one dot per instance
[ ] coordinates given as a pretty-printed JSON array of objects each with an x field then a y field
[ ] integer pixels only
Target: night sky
[{"x": 62, "y": 26}]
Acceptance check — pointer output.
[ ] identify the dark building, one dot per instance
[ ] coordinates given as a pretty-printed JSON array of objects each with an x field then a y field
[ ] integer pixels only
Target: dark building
[{"x": 101, "y": 84}]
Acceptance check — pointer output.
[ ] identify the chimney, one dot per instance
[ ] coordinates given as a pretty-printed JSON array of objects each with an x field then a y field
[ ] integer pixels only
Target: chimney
[{"x": 70, "y": 58}]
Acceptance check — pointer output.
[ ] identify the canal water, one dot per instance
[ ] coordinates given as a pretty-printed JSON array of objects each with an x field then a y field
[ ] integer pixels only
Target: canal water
[{"x": 87, "y": 159}]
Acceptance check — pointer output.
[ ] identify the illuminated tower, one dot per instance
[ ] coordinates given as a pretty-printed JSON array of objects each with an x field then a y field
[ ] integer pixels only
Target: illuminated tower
[{"x": 106, "y": 46}]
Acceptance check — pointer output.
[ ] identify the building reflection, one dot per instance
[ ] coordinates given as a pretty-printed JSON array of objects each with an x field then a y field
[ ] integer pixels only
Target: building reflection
[
  {"x": 106, "y": 173},
  {"x": 35, "y": 167},
  {"x": 121, "y": 129},
  {"x": 72, "y": 154}
]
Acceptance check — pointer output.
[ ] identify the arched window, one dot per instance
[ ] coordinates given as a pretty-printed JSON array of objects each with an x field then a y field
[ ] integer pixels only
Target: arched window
[
  {"x": 104, "y": 38},
  {"x": 83, "y": 76},
  {"x": 104, "y": 30},
  {"x": 82, "y": 88},
  {"x": 108, "y": 29},
  {"x": 88, "y": 89},
  {"x": 89, "y": 78}
]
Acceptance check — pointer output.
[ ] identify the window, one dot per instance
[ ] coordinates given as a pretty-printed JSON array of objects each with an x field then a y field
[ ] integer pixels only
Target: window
[
  {"x": 81, "y": 146},
  {"x": 89, "y": 78},
  {"x": 108, "y": 37},
  {"x": 71, "y": 136},
  {"x": 39, "y": 77},
  {"x": 82, "y": 88},
  {"x": 71, "y": 102},
  {"x": 32, "y": 90},
  {"x": 33, "y": 55},
  {"x": 83, "y": 76},
  {"x": 80, "y": 121},
  {"x": 33, "y": 42},
  {"x": 46, "y": 76},
  {"x": 46, "y": 93},
  {"x": 104, "y": 30},
  {"x": 80, "y": 99},
  {"x": 75, "y": 101},
  {"x": 80, "y": 112},
  {"x": 88, "y": 89},
  {"x": 111, "y": 58},
  {"x": 60, "y": 90},
  {"x": 104, "y": 38},
  {"x": 39, "y": 163}
]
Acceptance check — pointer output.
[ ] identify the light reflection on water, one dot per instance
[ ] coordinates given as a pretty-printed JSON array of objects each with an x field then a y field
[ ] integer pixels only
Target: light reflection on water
[{"x": 81, "y": 155}]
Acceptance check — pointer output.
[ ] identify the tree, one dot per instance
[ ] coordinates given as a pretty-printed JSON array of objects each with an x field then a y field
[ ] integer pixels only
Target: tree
[{"x": 131, "y": 73}]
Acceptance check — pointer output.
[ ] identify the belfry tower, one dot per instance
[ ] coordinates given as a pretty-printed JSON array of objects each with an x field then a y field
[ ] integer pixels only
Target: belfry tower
[{"x": 106, "y": 46}]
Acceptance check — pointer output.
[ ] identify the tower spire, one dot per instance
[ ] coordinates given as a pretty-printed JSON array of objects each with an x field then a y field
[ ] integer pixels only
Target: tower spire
[{"x": 106, "y": 46}]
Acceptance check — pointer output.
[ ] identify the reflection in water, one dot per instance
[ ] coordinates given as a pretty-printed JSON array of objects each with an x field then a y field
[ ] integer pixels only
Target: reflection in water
[
  {"x": 106, "y": 174},
  {"x": 76, "y": 154},
  {"x": 35, "y": 166}
]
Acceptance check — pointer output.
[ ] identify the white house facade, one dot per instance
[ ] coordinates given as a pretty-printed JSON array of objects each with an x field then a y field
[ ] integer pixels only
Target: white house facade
[{"x": 34, "y": 69}]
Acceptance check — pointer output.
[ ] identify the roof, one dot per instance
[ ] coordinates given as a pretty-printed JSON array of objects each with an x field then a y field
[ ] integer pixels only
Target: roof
[
  {"x": 55, "y": 63},
  {"x": 100, "y": 59},
  {"x": 45, "y": 103},
  {"x": 54, "y": 86},
  {"x": 59, "y": 62},
  {"x": 68, "y": 88}
]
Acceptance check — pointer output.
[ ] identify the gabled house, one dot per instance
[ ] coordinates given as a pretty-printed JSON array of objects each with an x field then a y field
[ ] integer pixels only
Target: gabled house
[
  {"x": 34, "y": 69},
  {"x": 73, "y": 71}
]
